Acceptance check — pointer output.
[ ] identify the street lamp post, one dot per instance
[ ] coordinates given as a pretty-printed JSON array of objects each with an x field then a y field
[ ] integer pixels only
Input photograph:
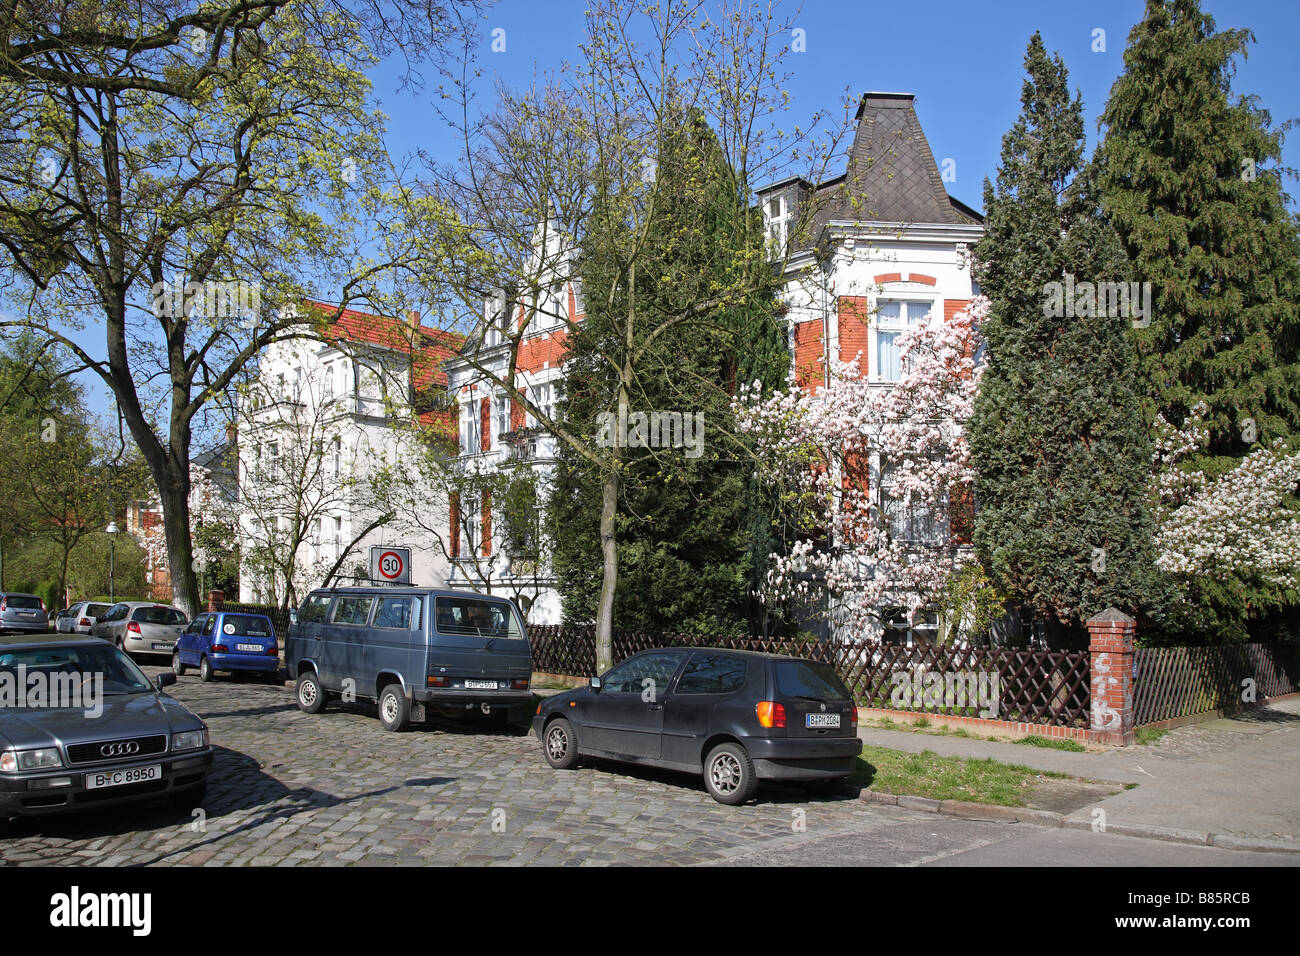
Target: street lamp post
[{"x": 112, "y": 540}]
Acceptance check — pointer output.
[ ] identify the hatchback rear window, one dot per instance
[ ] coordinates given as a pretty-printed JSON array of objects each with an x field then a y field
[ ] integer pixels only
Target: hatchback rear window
[
  {"x": 159, "y": 615},
  {"x": 24, "y": 602},
  {"x": 95, "y": 610},
  {"x": 245, "y": 625},
  {"x": 809, "y": 679}
]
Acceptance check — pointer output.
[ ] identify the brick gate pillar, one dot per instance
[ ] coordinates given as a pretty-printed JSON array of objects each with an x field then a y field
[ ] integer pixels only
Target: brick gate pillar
[
  {"x": 1111, "y": 670},
  {"x": 216, "y": 599}
]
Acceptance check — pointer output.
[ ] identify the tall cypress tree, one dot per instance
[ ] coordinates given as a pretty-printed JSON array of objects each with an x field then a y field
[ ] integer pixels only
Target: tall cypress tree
[
  {"x": 1060, "y": 450},
  {"x": 686, "y": 526},
  {"x": 1182, "y": 180}
]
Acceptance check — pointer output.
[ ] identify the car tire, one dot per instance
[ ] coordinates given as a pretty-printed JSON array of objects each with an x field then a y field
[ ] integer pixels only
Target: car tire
[
  {"x": 560, "y": 744},
  {"x": 189, "y": 798},
  {"x": 394, "y": 708},
  {"x": 177, "y": 667},
  {"x": 205, "y": 669},
  {"x": 729, "y": 774},
  {"x": 309, "y": 693}
]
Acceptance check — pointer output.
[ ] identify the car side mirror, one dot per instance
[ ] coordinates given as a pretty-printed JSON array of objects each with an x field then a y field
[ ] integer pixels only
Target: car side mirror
[
  {"x": 293, "y": 615},
  {"x": 594, "y": 683},
  {"x": 164, "y": 680}
]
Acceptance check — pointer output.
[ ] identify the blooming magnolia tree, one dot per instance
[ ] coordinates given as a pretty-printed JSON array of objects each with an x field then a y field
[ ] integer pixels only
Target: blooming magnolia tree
[
  {"x": 864, "y": 546},
  {"x": 1237, "y": 523}
]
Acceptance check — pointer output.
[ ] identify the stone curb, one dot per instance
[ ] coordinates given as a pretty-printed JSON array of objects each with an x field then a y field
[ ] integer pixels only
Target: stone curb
[{"x": 1048, "y": 818}]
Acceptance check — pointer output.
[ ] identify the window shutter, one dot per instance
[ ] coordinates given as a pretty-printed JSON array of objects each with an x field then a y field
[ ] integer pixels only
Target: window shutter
[{"x": 455, "y": 525}]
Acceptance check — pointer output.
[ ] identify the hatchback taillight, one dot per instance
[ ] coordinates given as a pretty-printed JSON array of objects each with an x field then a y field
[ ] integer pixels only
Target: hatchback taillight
[
  {"x": 84, "y": 622},
  {"x": 273, "y": 651},
  {"x": 133, "y": 627},
  {"x": 770, "y": 713},
  {"x": 519, "y": 685},
  {"x": 220, "y": 649},
  {"x": 432, "y": 681}
]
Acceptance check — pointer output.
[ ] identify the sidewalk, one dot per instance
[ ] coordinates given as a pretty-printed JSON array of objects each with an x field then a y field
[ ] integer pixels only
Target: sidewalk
[{"x": 1236, "y": 778}]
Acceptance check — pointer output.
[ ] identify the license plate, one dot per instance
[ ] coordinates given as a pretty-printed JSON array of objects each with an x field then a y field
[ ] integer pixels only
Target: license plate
[
  {"x": 255, "y": 648},
  {"x": 480, "y": 685},
  {"x": 120, "y": 778},
  {"x": 162, "y": 647},
  {"x": 822, "y": 720}
]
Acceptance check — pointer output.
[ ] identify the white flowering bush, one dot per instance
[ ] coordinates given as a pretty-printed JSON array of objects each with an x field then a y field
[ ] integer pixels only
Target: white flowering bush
[{"x": 815, "y": 444}]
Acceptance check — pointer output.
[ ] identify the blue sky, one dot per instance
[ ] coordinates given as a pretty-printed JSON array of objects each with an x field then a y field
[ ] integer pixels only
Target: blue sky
[{"x": 963, "y": 61}]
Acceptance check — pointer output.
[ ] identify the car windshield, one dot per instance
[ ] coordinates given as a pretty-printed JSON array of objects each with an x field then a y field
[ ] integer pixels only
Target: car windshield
[
  {"x": 60, "y": 668},
  {"x": 23, "y": 601},
  {"x": 809, "y": 679},
  {"x": 159, "y": 615},
  {"x": 477, "y": 618},
  {"x": 245, "y": 625}
]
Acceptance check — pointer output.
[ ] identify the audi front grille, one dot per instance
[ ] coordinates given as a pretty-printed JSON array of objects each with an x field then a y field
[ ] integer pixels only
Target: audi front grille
[{"x": 123, "y": 749}]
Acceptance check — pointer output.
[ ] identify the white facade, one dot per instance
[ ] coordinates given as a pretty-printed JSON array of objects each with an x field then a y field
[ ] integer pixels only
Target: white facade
[{"x": 318, "y": 425}]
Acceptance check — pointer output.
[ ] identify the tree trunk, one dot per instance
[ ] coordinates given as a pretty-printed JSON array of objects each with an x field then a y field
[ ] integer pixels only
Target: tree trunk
[
  {"x": 609, "y": 576},
  {"x": 174, "y": 492}
]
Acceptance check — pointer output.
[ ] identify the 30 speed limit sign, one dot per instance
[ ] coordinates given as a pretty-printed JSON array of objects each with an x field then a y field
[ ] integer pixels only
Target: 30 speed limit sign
[{"x": 392, "y": 565}]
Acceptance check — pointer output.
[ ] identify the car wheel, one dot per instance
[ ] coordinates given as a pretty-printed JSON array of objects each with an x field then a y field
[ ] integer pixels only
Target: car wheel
[
  {"x": 394, "y": 708},
  {"x": 729, "y": 774},
  {"x": 190, "y": 797},
  {"x": 560, "y": 744},
  {"x": 311, "y": 695},
  {"x": 205, "y": 670},
  {"x": 177, "y": 667}
]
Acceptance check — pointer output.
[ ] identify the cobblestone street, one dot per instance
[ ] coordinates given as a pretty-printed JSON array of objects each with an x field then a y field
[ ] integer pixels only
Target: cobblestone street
[{"x": 289, "y": 788}]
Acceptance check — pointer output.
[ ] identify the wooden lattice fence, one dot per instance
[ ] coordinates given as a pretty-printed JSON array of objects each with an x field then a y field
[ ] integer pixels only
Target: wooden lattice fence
[
  {"x": 1174, "y": 682},
  {"x": 1042, "y": 687}
]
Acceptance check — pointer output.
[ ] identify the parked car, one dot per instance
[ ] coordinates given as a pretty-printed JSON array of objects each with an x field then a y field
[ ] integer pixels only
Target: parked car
[
  {"x": 410, "y": 649},
  {"x": 141, "y": 627},
  {"x": 22, "y": 612},
  {"x": 107, "y": 737},
  {"x": 736, "y": 717},
  {"x": 80, "y": 617},
  {"x": 228, "y": 641}
]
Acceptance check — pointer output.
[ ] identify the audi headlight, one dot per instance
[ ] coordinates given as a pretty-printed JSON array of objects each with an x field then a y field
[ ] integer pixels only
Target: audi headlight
[
  {"x": 43, "y": 759},
  {"x": 190, "y": 740}
]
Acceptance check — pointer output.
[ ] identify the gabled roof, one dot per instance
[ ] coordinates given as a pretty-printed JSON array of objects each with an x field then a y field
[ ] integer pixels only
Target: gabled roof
[{"x": 428, "y": 346}]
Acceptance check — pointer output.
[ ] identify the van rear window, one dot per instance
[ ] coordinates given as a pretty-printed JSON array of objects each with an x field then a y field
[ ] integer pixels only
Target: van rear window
[
  {"x": 475, "y": 618},
  {"x": 22, "y": 601}
]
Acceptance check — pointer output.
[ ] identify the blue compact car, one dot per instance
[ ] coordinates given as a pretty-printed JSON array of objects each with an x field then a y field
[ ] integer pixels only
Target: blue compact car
[{"x": 228, "y": 641}]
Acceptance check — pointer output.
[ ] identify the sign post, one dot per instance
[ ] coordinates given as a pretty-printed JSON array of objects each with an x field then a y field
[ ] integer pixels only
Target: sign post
[{"x": 390, "y": 565}]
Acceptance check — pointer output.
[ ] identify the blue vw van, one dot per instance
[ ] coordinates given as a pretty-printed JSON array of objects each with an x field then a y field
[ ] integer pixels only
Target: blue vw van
[{"x": 411, "y": 649}]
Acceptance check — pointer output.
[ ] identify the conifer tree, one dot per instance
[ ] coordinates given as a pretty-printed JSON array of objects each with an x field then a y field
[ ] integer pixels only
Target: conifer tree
[{"x": 1060, "y": 451}]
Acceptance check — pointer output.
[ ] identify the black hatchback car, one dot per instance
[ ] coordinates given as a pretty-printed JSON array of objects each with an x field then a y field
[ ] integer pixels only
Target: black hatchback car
[{"x": 737, "y": 717}]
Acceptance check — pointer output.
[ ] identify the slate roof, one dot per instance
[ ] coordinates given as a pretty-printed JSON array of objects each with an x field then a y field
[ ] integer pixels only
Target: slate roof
[{"x": 891, "y": 175}]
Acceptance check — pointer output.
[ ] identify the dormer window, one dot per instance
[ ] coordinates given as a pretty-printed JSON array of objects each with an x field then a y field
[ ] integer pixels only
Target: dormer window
[{"x": 776, "y": 214}]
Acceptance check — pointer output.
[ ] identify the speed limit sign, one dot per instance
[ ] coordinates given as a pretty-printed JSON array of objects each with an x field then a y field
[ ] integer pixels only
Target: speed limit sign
[{"x": 390, "y": 565}]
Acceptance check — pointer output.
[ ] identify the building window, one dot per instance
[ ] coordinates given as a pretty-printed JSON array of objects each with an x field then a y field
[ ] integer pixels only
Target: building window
[
  {"x": 502, "y": 415},
  {"x": 893, "y": 318},
  {"x": 543, "y": 397},
  {"x": 472, "y": 523},
  {"x": 916, "y": 522},
  {"x": 469, "y": 428},
  {"x": 775, "y": 212}
]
